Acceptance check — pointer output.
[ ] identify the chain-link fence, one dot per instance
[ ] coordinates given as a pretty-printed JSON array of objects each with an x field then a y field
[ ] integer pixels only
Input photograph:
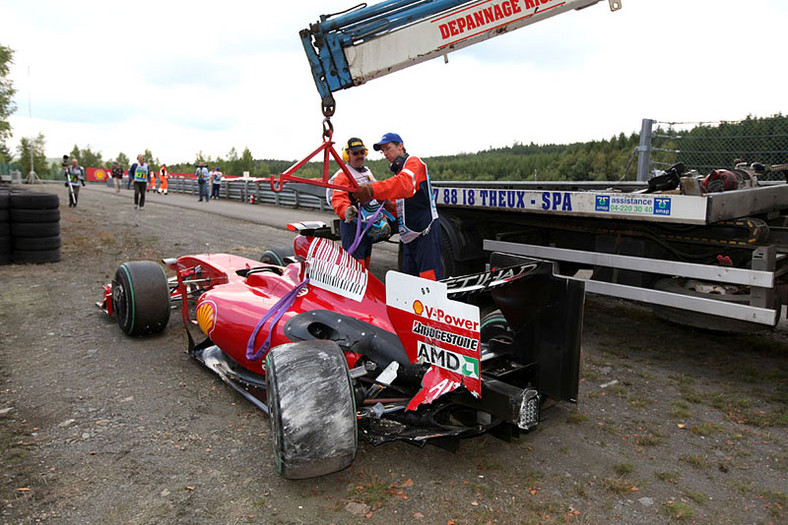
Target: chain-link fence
[{"x": 706, "y": 146}]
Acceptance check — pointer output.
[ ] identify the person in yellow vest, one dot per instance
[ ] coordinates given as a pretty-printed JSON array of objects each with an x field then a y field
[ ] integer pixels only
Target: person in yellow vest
[
  {"x": 138, "y": 172},
  {"x": 163, "y": 184}
]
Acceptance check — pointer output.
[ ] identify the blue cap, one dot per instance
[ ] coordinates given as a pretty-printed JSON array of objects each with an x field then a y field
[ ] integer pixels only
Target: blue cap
[{"x": 388, "y": 137}]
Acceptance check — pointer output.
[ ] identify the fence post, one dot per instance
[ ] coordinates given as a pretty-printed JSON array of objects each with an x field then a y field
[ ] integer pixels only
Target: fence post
[{"x": 644, "y": 149}]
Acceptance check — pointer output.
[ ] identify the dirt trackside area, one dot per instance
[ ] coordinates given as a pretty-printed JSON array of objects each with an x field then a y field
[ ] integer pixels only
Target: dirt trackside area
[{"x": 672, "y": 424}]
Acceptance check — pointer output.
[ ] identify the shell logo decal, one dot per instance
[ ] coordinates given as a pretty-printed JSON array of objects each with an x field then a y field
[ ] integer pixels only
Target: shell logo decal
[
  {"x": 100, "y": 175},
  {"x": 206, "y": 317},
  {"x": 418, "y": 307}
]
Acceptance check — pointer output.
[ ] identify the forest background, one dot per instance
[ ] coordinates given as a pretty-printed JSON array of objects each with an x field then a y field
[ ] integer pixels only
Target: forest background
[{"x": 599, "y": 160}]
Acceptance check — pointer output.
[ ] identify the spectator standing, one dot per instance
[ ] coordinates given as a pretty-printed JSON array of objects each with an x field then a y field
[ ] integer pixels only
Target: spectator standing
[
  {"x": 75, "y": 175},
  {"x": 117, "y": 176},
  {"x": 139, "y": 173},
  {"x": 202, "y": 175},
  {"x": 216, "y": 182}
]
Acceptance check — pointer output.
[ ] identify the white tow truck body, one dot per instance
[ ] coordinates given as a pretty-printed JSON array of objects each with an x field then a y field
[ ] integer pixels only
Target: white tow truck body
[{"x": 715, "y": 259}]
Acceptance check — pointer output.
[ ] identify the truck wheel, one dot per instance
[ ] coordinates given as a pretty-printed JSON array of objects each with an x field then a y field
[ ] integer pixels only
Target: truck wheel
[
  {"x": 312, "y": 408},
  {"x": 281, "y": 256},
  {"x": 141, "y": 298},
  {"x": 452, "y": 266}
]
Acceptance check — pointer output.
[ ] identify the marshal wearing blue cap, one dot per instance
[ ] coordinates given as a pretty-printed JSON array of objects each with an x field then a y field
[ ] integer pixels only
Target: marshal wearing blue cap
[{"x": 417, "y": 216}]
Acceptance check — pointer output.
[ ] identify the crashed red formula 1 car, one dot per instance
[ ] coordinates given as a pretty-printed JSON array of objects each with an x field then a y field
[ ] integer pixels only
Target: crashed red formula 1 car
[{"x": 331, "y": 354}]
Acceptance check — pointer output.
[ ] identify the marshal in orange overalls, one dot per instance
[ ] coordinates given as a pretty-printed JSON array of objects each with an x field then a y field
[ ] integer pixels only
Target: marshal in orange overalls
[{"x": 163, "y": 180}]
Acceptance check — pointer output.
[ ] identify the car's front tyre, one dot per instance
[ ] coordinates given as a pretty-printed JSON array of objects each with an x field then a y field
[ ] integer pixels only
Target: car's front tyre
[{"x": 312, "y": 409}]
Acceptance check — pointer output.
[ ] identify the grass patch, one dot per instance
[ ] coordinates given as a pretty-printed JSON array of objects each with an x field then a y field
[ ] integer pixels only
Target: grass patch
[
  {"x": 616, "y": 390},
  {"x": 480, "y": 489},
  {"x": 778, "y": 502},
  {"x": 689, "y": 395},
  {"x": 670, "y": 477},
  {"x": 590, "y": 375},
  {"x": 615, "y": 348},
  {"x": 640, "y": 403},
  {"x": 682, "y": 379},
  {"x": 728, "y": 402},
  {"x": 678, "y": 510},
  {"x": 697, "y": 496},
  {"x": 761, "y": 419},
  {"x": 532, "y": 477},
  {"x": 623, "y": 469},
  {"x": 743, "y": 487},
  {"x": 373, "y": 493},
  {"x": 706, "y": 429},
  {"x": 490, "y": 464},
  {"x": 537, "y": 513},
  {"x": 617, "y": 485},
  {"x": 696, "y": 461},
  {"x": 680, "y": 410},
  {"x": 649, "y": 440},
  {"x": 576, "y": 417},
  {"x": 763, "y": 345}
]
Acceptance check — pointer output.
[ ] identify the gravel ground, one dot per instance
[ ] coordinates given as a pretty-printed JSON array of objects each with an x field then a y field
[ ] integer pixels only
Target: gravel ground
[{"x": 673, "y": 424}]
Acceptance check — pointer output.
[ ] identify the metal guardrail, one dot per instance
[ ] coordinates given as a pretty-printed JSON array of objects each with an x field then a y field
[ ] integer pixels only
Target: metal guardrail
[{"x": 292, "y": 195}]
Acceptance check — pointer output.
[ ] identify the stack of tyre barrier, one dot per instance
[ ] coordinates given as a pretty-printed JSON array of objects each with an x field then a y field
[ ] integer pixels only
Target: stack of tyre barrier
[{"x": 33, "y": 221}]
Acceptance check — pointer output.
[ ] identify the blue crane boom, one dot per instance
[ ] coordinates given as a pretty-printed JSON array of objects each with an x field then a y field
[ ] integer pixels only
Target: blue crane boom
[{"x": 364, "y": 42}]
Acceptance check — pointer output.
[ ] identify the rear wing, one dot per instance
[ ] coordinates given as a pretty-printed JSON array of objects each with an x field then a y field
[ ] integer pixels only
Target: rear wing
[
  {"x": 546, "y": 314},
  {"x": 544, "y": 311}
]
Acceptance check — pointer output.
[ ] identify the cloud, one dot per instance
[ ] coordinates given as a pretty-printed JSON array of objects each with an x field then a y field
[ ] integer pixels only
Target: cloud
[{"x": 183, "y": 77}]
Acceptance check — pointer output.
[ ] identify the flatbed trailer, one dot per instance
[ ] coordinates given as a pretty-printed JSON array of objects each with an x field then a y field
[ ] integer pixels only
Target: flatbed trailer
[
  {"x": 704, "y": 257},
  {"x": 716, "y": 260}
]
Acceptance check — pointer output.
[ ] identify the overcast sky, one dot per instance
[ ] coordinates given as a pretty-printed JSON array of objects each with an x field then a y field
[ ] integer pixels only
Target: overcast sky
[{"x": 180, "y": 78}]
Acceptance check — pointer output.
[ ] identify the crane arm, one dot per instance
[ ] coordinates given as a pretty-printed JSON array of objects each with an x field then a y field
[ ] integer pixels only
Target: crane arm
[{"x": 350, "y": 48}]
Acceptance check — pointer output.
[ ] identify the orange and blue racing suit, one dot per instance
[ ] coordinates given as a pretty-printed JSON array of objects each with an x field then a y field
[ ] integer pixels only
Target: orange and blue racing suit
[{"x": 417, "y": 218}]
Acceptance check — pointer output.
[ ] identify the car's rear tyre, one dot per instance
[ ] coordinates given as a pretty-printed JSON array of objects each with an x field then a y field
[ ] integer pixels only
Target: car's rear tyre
[
  {"x": 280, "y": 256},
  {"x": 141, "y": 298},
  {"x": 312, "y": 409}
]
